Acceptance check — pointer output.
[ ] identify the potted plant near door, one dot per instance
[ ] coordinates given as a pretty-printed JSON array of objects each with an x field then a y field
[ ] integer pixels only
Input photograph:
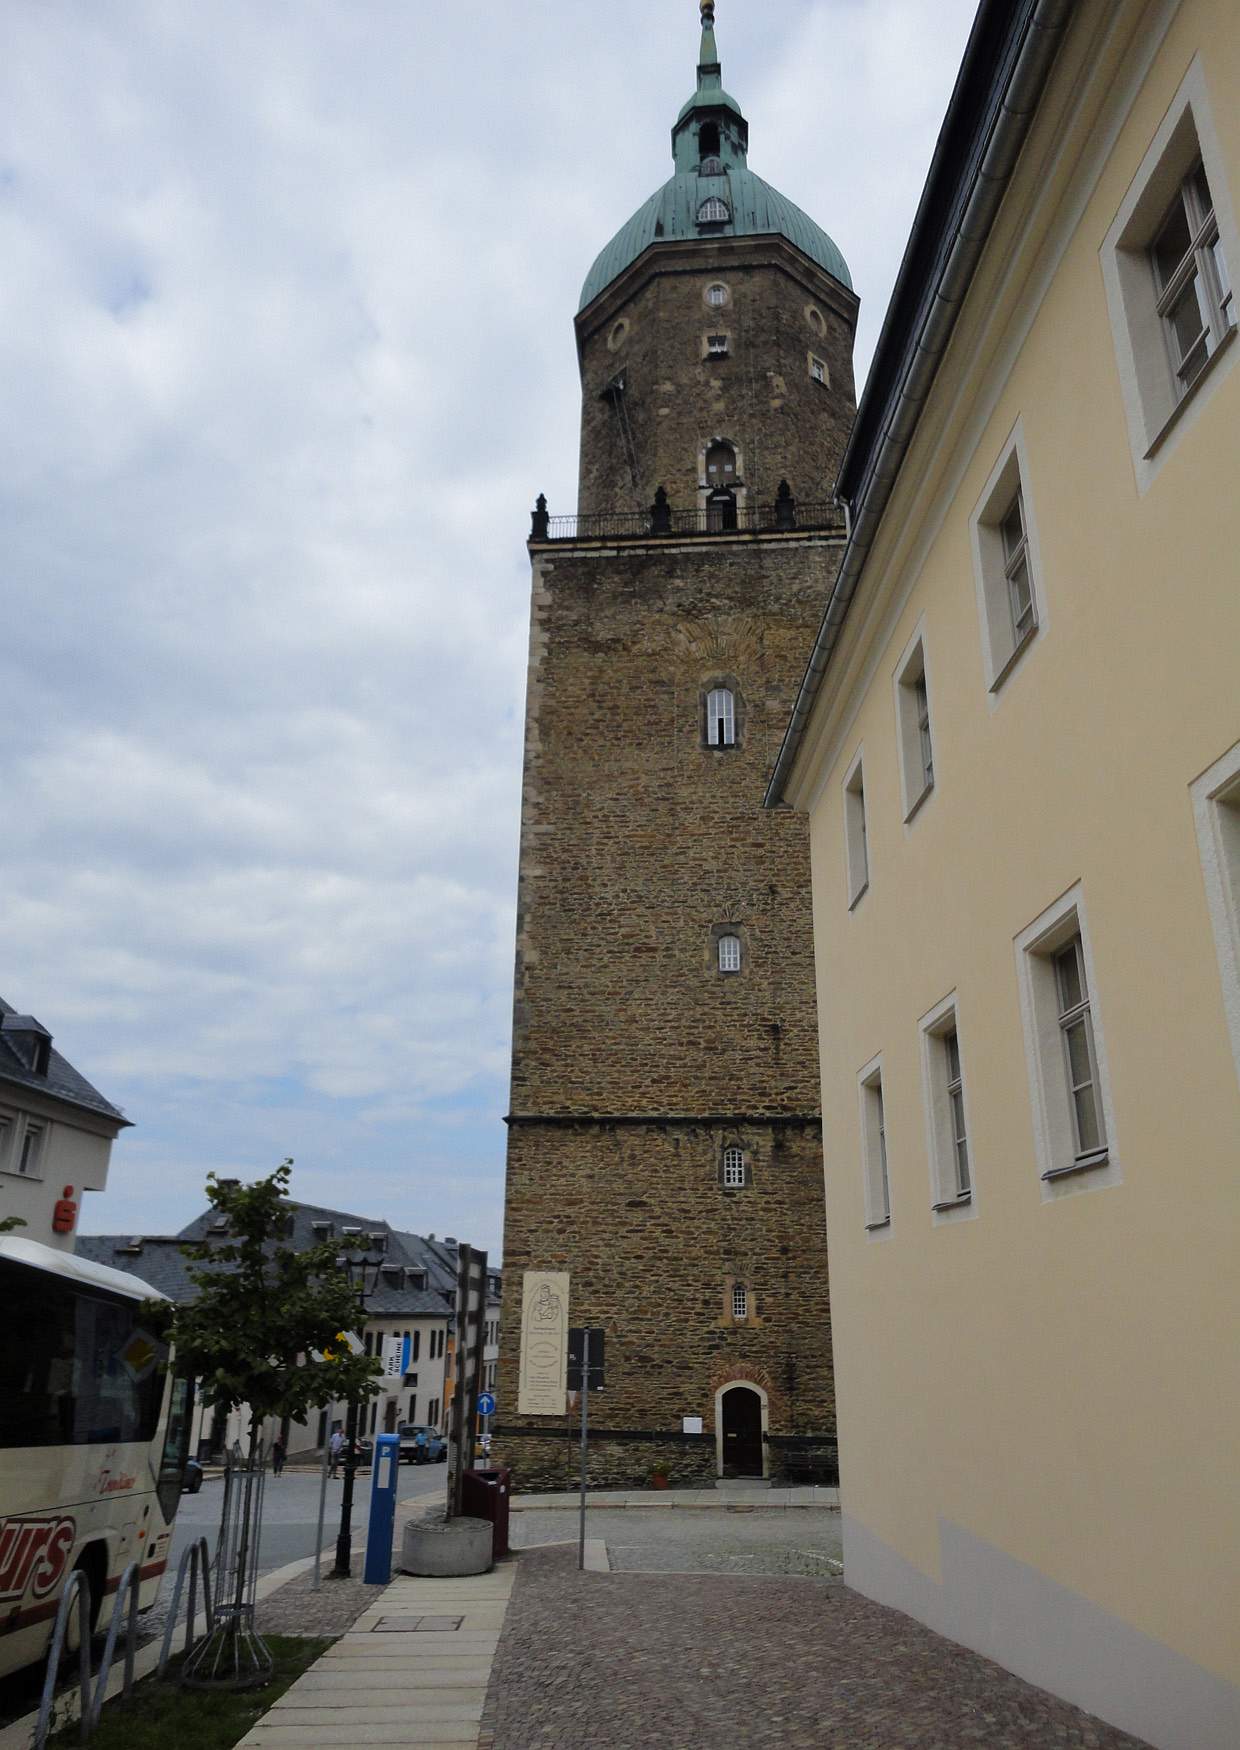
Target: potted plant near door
[{"x": 659, "y": 1478}]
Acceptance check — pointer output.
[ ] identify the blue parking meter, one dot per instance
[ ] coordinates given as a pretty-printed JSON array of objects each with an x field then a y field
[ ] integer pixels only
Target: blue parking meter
[{"x": 378, "y": 1568}]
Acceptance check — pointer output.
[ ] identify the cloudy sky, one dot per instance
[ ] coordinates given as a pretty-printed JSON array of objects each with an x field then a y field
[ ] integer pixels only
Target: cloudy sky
[{"x": 286, "y": 307}]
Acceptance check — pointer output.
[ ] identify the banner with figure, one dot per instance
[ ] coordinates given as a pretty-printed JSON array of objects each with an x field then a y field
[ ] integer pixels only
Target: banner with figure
[{"x": 544, "y": 1343}]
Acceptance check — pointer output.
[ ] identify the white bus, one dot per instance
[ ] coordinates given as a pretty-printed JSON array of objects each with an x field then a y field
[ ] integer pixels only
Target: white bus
[{"x": 93, "y": 1438}]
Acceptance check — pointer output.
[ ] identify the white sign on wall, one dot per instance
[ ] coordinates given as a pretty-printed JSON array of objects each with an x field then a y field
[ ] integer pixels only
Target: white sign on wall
[{"x": 544, "y": 1343}]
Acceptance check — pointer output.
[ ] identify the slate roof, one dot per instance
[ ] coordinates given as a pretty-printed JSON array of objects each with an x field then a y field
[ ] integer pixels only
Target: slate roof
[
  {"x": 160, "y": 1261},
  {"x": 62, "y": 1081}
]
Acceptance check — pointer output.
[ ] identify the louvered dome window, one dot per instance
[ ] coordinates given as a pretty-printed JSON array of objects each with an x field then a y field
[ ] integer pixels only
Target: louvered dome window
[
  {"x": 720, "y": 718},
  {"x": 714, "y": 212}
]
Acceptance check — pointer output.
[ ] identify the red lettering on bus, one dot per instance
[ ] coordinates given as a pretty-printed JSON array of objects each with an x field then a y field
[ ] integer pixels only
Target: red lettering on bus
[{"x": 25, "y": 1542}]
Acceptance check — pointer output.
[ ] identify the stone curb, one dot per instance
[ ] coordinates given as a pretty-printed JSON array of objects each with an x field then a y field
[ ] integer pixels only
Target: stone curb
[{"x": 781, "y": 1500}]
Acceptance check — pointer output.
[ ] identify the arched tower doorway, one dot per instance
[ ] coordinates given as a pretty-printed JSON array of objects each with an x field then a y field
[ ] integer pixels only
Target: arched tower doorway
[{"x": 740, "y": 1426}]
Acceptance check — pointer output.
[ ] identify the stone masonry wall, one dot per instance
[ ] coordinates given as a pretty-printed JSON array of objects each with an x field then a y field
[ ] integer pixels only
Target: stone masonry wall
[
  {"x": 653, "y": 1242},
  {"x": 639, "y": 842},
  {"x": 761, "y": 397}
]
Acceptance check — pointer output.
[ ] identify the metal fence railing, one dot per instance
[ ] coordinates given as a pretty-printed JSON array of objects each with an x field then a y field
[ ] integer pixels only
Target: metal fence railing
[{"x": 784, "y": 516}]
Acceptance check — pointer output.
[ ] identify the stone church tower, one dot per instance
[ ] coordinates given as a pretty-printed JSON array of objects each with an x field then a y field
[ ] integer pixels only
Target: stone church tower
[{"x": 665, "y": 1143}]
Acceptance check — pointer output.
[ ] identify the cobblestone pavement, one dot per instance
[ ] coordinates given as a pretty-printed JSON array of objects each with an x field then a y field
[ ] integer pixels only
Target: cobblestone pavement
[
  {"x": 744, "y": 1540},
  {"x": 664, "y": 1661},
  {"x": 297, "y": 1610}
]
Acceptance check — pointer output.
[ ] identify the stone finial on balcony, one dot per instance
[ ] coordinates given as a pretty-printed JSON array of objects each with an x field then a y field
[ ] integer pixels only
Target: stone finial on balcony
[
  {"x": 661, "y": 514},
  {"x": 785, "y": 507},
  {"x": 540, "y": 522}
]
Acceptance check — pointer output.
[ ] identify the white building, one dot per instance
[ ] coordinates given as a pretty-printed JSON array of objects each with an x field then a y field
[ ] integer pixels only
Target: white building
[{"x": 56, "y": 1133}]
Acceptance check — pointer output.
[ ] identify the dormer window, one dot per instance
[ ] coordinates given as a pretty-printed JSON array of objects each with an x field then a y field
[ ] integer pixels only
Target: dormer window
[
  {"x": 714, "y": 212},
  {"x": 720, "y": 718}
]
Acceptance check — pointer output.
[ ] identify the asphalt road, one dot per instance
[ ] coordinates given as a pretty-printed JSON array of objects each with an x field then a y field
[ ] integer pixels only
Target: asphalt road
[{"x": 290, "y": 1512}]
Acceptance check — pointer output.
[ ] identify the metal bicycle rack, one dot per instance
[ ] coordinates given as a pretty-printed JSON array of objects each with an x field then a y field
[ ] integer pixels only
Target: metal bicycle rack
[
  {"x": 197, "y": 1559},
  {"x": 90, "y": 1703}
]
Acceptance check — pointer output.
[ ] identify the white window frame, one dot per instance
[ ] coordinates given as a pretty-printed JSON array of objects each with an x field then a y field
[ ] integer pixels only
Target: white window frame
[
  {"x": 1157, "y": 414},
  {"x": 714, "y": 211},
  {"x": 1216, "y": 811},
  {"x": 716, "y": 303},
  {"x": 875, "y": 1156},
  {"x": 1062, "y": 1169},
  {"x": 19, "y": 1128},
  {"x": 734, "y": 1175},
  {"x": 1002, "y": 647},
  {"x": 819, "y": 370},
  {"x": 949, "y": 1199},
  {"x": 856, "y": 831},
  {"x": 721, "y": 717},
  {"x": 729, "y": 953},
  {"x": 717, "y": 345},
  {"x": 740, "y": 1303},
  {"x": 9, "y": 1121},
  {"x": 914, "y": 735}
]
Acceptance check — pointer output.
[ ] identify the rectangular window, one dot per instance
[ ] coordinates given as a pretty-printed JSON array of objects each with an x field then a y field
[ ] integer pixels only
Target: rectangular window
[
  {"x": 729, "y": 953},
  {"x": 30, "y": 1149},
  {"x": 818, "y": 371},
  {"x": 6, "y": 1137},
  {"x": 717, "y": 346},
  {"x": 1165, "y": 264},
  {"x": 740, "y": 1302},
  {"x": 1005, "y": 563},
  {"x": 734, "y": 1168},
  {"x": 913, "y": 725},
  {"x": 1191, "y": 279},
  {"x": 1080, "y": 1062},
  {"x": 1074, "y": 1126},
  {"x": 955, "y": 1096},
  {"x": 856, "y": 844},
  {"x": 874, "y": 1150},
  {"x": 1216, "y": 807},
  {"x": 720, "y": 718}
]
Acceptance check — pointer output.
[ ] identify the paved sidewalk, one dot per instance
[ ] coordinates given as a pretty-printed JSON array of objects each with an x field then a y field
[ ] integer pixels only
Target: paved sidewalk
[
  {"x": 621, "y": 1661},
  {"x": 412, "y": 1672}
]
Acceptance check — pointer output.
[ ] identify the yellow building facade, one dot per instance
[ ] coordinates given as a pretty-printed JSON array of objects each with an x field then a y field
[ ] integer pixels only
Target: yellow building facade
[{"x": 1019, "y": 747}]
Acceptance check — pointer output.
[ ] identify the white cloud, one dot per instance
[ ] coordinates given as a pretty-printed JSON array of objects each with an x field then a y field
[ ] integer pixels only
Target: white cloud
[{"x": 285, "y": 329}]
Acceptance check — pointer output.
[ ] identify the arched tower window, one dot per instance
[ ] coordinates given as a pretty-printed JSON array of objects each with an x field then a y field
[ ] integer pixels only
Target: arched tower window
[
  {"x": 714, "y": 212},
  {"x": 720, "y": 465},
  {"x": 729, "y": 953},
  {"x": 720, "y": 718},
  {"x": 733, "y": 1168}
]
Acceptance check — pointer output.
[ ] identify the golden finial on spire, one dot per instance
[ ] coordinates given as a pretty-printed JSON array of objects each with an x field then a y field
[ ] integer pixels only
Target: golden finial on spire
[{"x": 708, "y": 11}]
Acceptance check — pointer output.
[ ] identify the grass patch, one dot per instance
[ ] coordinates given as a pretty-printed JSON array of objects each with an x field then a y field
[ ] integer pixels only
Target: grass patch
[{"x": 159, "y": 1714}]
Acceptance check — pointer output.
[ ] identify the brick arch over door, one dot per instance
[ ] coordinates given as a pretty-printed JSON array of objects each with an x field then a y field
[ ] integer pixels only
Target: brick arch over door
[{"x": 744, "y": 1383}]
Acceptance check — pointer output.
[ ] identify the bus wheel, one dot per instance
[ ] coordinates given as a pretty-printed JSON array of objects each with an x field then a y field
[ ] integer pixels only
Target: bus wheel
[{"x": 93, "y": 1565}]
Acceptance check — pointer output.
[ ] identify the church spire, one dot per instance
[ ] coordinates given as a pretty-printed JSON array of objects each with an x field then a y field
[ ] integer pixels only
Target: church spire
[{"x": 708, "y": 60}]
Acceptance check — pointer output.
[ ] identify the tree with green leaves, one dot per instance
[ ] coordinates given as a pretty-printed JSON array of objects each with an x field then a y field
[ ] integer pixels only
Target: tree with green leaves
[
  {"x": 266, "y": 1329},
  {"x": 267, "y": 1325}
]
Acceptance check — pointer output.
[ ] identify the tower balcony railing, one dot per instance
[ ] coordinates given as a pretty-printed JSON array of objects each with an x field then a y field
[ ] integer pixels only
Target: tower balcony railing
[{"x": 786, "y": 515}]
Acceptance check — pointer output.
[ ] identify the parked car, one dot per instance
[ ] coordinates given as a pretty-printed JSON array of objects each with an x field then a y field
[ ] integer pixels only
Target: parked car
[
  {"x": 420, "y": 1444},
  {"x": 365, "y": 1452}
]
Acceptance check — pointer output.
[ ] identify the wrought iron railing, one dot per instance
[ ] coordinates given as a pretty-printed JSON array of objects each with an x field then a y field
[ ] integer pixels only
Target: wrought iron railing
[{"x": 786, "y": 515}]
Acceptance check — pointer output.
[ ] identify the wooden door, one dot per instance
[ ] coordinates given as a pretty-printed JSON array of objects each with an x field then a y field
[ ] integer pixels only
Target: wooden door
[{"x": 742, "y": 1432}]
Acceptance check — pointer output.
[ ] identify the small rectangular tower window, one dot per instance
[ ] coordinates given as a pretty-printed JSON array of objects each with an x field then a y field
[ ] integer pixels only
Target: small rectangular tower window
[
  {"x": 734, "y": 1169},
  {"x": 729, "y": 953},
  {"x": 740, "y": 1302},
  {"x": 818, "y": 370},
  {"x": 717, "y": 346}
]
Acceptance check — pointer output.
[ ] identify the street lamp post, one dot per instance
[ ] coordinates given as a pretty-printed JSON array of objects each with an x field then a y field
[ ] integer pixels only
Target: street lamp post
[{"x": 363, "y": 1274}]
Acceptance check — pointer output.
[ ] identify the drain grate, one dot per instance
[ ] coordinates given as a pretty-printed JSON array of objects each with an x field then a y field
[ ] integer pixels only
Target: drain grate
[{"x": 414, "y": 1625}]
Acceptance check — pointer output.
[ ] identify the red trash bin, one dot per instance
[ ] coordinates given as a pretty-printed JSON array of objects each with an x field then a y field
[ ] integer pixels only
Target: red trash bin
[{"x": 484, "y": 1495}]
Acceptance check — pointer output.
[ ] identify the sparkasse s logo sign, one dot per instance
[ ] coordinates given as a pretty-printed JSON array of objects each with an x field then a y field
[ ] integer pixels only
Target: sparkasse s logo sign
[{"x": 34, "y": 1552}]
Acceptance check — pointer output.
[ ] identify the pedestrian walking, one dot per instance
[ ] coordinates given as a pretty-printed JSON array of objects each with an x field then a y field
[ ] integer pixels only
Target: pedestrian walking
[
  {"x": 278, "y": 1451},
  {"x": 336, "y": 1446}
]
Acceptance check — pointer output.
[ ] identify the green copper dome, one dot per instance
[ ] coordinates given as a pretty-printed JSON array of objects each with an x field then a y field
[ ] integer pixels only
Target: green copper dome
[{"x": 713, "y": 192}]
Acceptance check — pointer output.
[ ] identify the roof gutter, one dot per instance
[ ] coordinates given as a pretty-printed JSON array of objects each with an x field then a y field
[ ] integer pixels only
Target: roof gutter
[{"x": 1030, "y": 50}]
